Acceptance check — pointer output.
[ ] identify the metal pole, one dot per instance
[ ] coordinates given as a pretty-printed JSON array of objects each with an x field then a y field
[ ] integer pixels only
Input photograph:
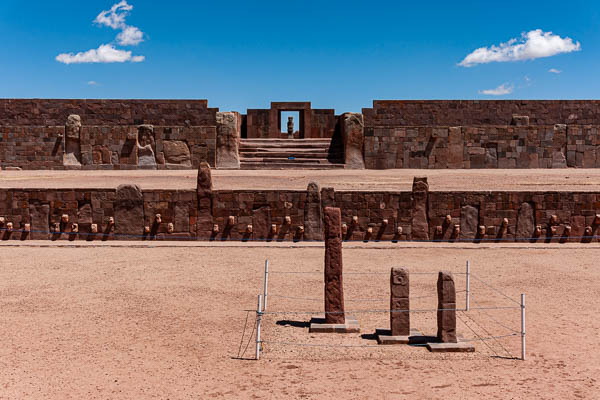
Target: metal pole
[
  {"x": 523, "y": 327},
  {"x": 258, "y": 320},
  {"x": 468, "y": 284},
  {"x": 266, "y": 288}
]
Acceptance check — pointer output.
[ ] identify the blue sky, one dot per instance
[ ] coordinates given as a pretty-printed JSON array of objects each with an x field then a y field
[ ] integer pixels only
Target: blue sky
[{"x": 338, "y": 55}]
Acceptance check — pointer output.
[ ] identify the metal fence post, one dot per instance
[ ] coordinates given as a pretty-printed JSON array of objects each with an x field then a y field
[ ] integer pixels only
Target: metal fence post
[
  {"x": 266, "y": 287},
  {"x": 258, "y": 323},
  {"x": 468, "y": 287},
  {"x": 523, "y": 326}
]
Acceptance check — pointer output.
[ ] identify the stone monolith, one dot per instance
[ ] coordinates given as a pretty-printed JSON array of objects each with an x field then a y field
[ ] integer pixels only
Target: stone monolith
[
  {"x": 446, "y": 314},
  {"x": 334, "y": 288},
  {"x": 399, "y": 302}
]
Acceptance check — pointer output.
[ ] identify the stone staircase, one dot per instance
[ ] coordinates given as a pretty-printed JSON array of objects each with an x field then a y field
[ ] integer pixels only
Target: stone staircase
[{"x": 289, "y": 154}]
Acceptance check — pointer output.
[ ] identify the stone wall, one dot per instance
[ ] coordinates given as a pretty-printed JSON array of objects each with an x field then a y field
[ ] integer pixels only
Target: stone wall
[
  {"x": 108, "y": 147},
  {"x": 386, "y": 113},
  {"x": 492, "y": 146},
  {"x": 280, "y": 215},
  {"x": 54, "y": 112}
]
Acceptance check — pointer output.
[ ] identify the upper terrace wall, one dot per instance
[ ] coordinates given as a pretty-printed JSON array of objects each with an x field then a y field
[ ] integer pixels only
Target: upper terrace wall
[
  {"x": 54, "y": 112},
  {"x": 128, "y": 134},
  {"x": 390, "y": 113}
]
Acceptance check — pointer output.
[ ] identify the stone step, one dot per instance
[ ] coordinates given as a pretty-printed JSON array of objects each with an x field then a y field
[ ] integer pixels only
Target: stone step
[
  {"x": 298, "y": 141},
  {"x": 246, "y": 165},
  {"x": 285, "y": 160},
  {"x": 285, "y": 154},
  {"x": 282, "y": 146}
]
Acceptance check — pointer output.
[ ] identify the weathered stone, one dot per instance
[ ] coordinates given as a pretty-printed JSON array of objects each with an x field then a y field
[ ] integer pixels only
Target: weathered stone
[
  {"x": 261, "y": 223},
  {"x": 525, "y": 222},
  {"x": 399, "y": 302},
  {"x": 39, "y": 216},
  {"x": 129, "y": 211},
  {"x": 446, "y": 314},
  {"x": 84, "y": 215},
  {"x": 334, "y": 287},
  {"x": 491, "y": 158},
  {"x": 176, "y": 152},
  {"x": 228, "y": 139},
  {"x": 558, "y": 159},
  {"x": 313, "y": 229},
  {"x": 420, "y": 220},
  {"x": 520, "y": 120},
  {"x": 146, "y": 147},
  {"x": 204, "y": 224},
  {"x": 469, "y": 222},
  {"x": 72, "y": 153},
  {"x": 353, "y": 136}
]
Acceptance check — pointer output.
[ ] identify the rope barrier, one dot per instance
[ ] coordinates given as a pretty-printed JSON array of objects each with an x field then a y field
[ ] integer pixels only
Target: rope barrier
[
  {"x": 353, "y": 300},
  {"x": 358, "y": 273},
  {"x": 493, "y": 319},
  {"x": 496, "y": 290},
  {"x": 382, "y": 311}
]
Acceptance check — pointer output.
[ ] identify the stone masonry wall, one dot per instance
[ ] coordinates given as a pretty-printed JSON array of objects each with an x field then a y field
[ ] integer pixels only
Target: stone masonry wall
[
  {"x": 106, "y": 147},
  {"x": 493, "y": 146},
  {"x": 279, "y": 215}
]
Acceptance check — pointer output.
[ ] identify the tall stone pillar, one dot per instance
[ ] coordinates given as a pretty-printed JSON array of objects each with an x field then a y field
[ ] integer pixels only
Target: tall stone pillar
[
  {"x": 204, "y": 222},
  {"x": 446, "y": 315},
  {"x": 420, "y": 221},
  {"x": 334, "y": 288},
  {"x": 313, "y": 228},
  {"x": 399, "y": 302},
  {"x": 353, "y": 135},
  {"x": 229, "y": 126},
  {"x": 72, "y": 154}
]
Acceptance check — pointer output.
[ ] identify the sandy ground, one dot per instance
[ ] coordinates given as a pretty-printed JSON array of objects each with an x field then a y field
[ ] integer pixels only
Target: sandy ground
[
  {"x": 399, "y": 179},
  {"x": 110, "y": 321}
]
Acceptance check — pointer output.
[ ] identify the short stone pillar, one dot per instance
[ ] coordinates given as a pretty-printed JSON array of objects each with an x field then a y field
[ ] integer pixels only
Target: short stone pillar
[
  {"x": 353, "y": 134},
  {"x": 290, "y": 127},
  {"x": 146, "y": 147},
  {"x": 204, "y": 221},
  {"x": 399, "y": 302},
  {"x": 420, "y": 219},
  {"x": 446, "y": 314},
  {"x": 313, "y": 228},
  {"x": 72, "y": 151},
  {"x": 334, "y": 286},
  {"x": 229, "y": 126},
  {"x": 129, "y": 212}
]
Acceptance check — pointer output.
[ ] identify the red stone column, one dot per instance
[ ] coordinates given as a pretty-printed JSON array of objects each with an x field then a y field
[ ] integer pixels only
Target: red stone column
[
  {"x": 334, "y": 289},
  {"x": 446, "y": 315},
  {"x": 399, "y": 291}
]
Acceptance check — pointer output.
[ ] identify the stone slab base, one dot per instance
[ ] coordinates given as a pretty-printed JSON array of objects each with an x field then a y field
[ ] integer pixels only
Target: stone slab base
[
  {"x": 460, "y": 347},
  {"x": 384, "y": 337},
  {"x": 318, "y": 325}
]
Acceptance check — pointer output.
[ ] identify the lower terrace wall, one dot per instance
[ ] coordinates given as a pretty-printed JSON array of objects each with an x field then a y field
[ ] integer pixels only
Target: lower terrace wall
[
  {"x": 280, "y": 215},
  {"x": 505, "y": 146}
]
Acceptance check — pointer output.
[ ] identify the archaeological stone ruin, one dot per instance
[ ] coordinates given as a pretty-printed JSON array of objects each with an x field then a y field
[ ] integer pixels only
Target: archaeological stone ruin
[{"x": 188, "y": 134}]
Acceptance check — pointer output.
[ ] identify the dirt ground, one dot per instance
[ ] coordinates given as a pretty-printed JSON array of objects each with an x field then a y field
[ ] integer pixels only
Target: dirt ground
[
  {"x": 164, "y": 321},
  {"x": 398, "y": 179}
]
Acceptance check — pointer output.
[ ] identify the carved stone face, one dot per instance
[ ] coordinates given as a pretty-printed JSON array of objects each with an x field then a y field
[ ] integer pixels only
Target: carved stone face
[
  {"x": 399, "y": 279},
  {"x": 145, "y": 135}
]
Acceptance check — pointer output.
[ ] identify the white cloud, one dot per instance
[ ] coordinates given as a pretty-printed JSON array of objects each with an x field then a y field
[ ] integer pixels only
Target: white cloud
[
  {"x": 92, "y": 83},
  {"x": 106, "y": 53},
  {"x": 130, "y": 36},
  {"x": 533, "y": 44},
  {"x": 554, "y": 70},
  {"x": 115, "y": 17},
  {"x": 499, "y": 91}
]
